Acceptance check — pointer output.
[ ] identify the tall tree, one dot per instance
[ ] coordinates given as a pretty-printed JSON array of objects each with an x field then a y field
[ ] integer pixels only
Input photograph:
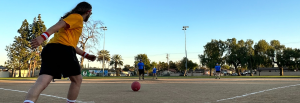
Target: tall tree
[
  {"x": 158, "y": 65},
  {"x": 11, "y": 63},
  {"x": 238, "y": 53},
  {"x": 276, "y": 52},
  {"x": 213, "y": 53},
  {"x": 225, "y": 67},
  {"x": 18, "y": 53},
  {"x": 117, "y": 60},
  {"x": 163, "y": 65},
  {"x": 172, "y": 64},
  {"x": 36, "y": 29},
  {"x": 178, "y": 65},
  {"x": 297, "y": 58},
  {"x": 126, "y": 67},
  {"x": 285, "y": 59},
  {"x": 145, "y": 60},
  {"x": 153, "y": 64},
  {"x": 104, "y": 54},
  {"x": 290, "y": 57},
  {"x": 90, "y": 34},
  {"x": 249, "y": 46},
  {"x": 190, "y": 65},
  {"x": 261, "y": 58}
]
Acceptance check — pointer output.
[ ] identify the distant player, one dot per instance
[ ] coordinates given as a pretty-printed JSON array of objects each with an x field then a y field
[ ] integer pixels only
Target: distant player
[
  {"x": 59, "y": 55},
  {"x": 141, "y": 68},
  {"x": 218, "y": 71},
  {"x": 154, "y": 72}
]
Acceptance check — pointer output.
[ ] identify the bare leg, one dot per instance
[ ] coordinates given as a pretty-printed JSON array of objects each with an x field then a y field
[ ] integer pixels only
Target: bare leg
[
  {"x": 153, "y": 75},
  {"x": 216, "y": 75},
  {"x": 41, "y": 83},
  {"x": 139, "y": 76},
  {"x": 74, "y": 87}
]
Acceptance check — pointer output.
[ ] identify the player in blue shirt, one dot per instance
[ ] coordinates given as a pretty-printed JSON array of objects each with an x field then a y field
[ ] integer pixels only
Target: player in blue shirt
[
  {"x": 218, "y": 71},
  {"x": 141, "y": 68},
  {"x": 154, "y": 72}
]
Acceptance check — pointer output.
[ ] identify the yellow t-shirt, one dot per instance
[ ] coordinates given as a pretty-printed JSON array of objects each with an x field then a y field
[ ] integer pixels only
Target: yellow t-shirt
[{"x": 69, "y": 36}]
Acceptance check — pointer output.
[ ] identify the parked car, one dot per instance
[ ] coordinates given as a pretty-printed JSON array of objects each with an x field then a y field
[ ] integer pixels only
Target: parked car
[
  {"x": 244, "y": 73},
  {"x": 181, "y": 74},
  {"x": 122, "y": 74},
  {"x": 207, "y": 72},
  {"x": 234, "y": 74},
  {"x": 225, "y": 72}
]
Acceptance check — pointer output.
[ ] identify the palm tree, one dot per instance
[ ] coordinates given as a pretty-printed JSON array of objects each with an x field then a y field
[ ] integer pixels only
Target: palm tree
[
  {"x": 106, "y": 55},
  {"x": 117, "y": 61}
]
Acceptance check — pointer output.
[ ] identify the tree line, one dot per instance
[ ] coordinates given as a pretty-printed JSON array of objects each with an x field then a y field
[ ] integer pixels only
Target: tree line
[
  {"x": 21, "y": 56},
  {"x": 235, "y": 53},
  {"x": 117, "y": 62},
  {"x": 246, "y": 54}
]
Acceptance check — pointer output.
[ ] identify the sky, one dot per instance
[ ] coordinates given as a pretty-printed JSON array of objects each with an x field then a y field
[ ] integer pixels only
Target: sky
[{"x": 154, "y": 27}]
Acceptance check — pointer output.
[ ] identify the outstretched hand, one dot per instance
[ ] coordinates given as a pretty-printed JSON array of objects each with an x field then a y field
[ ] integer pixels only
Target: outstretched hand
[
  {"x": 91, "y": 57},
  {"x": 36, "y": 42}
]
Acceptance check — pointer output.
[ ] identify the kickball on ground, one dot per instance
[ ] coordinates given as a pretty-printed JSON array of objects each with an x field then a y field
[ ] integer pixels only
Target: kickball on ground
[{"x": 135, "y": 86}]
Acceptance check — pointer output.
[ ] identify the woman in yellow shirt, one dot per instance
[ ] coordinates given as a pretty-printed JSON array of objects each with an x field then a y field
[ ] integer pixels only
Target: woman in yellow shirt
[{"x": 59, "y": 55}]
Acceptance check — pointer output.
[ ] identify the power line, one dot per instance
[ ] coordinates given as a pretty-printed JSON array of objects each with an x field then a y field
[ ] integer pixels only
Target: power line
[
  {"x": 292, "y": 42},
  {"x": 164, "y": 54}
]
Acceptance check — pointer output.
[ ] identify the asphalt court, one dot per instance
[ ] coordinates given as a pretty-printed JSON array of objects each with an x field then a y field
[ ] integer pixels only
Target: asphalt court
[{"x": 195, "y": 90}]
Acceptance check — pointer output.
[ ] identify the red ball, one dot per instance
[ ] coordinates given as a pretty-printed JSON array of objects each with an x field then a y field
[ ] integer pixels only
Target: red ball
[{"x": 135, "y": 86}]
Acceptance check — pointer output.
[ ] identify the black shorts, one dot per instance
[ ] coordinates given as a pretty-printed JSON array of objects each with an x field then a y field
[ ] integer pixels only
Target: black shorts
[
  {"x": 141, "y": 71},
  {"x": 59, "y": 60},
  {"x": 217, "y": 71}
]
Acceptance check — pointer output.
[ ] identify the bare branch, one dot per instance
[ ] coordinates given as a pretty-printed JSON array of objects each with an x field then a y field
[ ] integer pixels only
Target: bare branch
[{"x": 90, "y": 36}]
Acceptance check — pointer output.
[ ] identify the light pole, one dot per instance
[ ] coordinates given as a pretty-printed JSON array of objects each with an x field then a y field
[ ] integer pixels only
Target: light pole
[
  {"x": 168, "y": 62},
  {"x": 294, "y": 60},
  {"x": 104, "y": 29},
  {"x": 184, "y": 28},
  {"x": 150, "y": 67}
]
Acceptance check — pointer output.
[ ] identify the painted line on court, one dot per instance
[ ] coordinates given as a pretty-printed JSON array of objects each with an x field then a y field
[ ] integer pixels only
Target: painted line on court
[
  {"x": 247, "y": 94},
  {"x": 46, "y": 95}
]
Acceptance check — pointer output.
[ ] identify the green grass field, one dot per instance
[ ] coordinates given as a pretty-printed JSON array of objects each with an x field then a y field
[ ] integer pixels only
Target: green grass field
[{"x": 164, "y": 77}]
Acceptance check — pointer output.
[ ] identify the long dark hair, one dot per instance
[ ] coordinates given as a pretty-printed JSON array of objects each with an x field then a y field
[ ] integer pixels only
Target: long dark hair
[{"x": 81, "y": 8}]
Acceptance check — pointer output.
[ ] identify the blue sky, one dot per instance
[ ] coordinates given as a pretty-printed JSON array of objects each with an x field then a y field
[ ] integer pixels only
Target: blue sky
[{"x": 154, "y": 27}]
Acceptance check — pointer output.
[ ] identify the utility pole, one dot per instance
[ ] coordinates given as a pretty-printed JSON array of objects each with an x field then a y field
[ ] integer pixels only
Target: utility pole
[
  {"x": 184, "y": 29},
  {"x": 168, "y": 62},
  {"x": 104, "y": 29}
]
